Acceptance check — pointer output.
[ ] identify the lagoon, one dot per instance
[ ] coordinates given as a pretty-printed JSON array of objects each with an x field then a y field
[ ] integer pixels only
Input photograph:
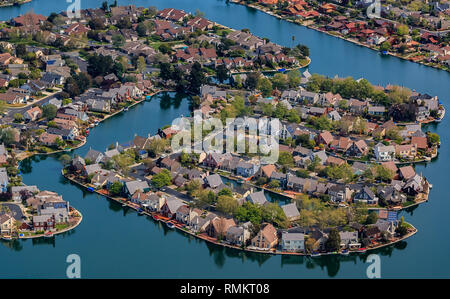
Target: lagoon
[{"x": 114, "y": 242}]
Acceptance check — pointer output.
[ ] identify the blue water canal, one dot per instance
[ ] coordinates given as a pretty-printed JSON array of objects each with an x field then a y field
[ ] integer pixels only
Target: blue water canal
[{"x": 113, "y": 242}]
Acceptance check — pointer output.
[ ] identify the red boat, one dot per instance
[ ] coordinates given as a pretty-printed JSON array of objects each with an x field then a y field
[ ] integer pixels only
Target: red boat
[{"x": 155, "y": 217}]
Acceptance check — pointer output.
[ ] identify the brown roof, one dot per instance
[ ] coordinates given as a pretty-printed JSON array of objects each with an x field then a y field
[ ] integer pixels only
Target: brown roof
[
  {"x": 269, "y": 232},
  {"x": 326, "y": 136},
  {"x": 421, "y": 142},
  {"x": 268, "y": 169},
  {"x": 407, "y": 172},
  {"x": 390, "y": 165},
  {"x": 221, "y": 225},
  {"x": 335, "y": 160}
]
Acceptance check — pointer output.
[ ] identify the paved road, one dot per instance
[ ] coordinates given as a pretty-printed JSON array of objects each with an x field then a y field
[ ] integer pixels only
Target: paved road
[
  {"x": 21, "y": 110},
  {"x": 16, "y": 212}
]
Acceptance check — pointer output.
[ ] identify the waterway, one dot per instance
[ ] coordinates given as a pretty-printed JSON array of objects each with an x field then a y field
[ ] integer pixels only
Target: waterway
[{"x": 113, "y": 242}]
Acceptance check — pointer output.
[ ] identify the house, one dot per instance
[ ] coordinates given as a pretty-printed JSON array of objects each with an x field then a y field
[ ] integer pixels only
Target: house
[
  {"x": 292, "y": 242},
  {"x": 218, "y": 227},
  {"x": 266, "y": 170},
  {"x": 257, "y": 198},
  {"x": 13, "y": 97},
  {"x": 246, "y": 169},
  {"x": 49, "y": 139},
  {"x": 266, "y": 238},
  {"x": 384, "y": 152},
  {"x": 338, "y": 193},
  {"x": 309, "y": 97},
  {"x": 376, "y": 110},
  {"x": 325, "y": 138},
  {"x": 183, "y": 213},
  {"x": 357, "y": 148},
  {"x": 291, "y": 211},
  {"x": 406, "y": 151},
  {"x": 422, "y": 113},
  {"x": 414, "y": 185},
  {"x": 93, "y": 156},
  {"x": 213, "y": 181},
  {"x": 155, "y": 202},
  {"x": 43, "y": 223},
  {"x": 366, "y": 195},
  {"x": 349, "y": 240},
  {"x": 17, "y": 192},
  {"x": 7, "y": 224},
  {"x": 407, "y": 172},
  {"x": 239, "y": 235},
  {"x": 132, "y": 186},
  {"x": 372, "y": 232},
  {"x": 420, "y": 142},
  {"x": 294, "y": 183},
  {"x": 170, "y": 207},
  {"x": 4, "y": 180},
  {"x": 33, "y": 114},
  {"x": 200, "y": 223},
  {"x": 390, "y": 195},
  {"x": 331, "y": 160}
]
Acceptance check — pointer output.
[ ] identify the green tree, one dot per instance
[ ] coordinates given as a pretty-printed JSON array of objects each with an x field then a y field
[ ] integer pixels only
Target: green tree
[
  {"x": 227, "y": 204},
  {"x": 385, "y": 46},
  {"x": 118, "y": 40},
  {"x": 162, "y": 179},
  {"x": 372, "y": 218},
  {"x": 334, "y": 241},
  {"x": 222, "y": 73},
  {"x": 265, "y": 86},
  {"x": 286, "y": 159},
  {"x": 18, "y": 118},
  {"x": 115, "y": 189},
  {"x": 49, "y": 111}
]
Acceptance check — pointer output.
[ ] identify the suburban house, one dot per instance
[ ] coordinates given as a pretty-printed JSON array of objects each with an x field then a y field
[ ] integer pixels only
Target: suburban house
[
  {"x": 170, "y": 207},
  {"x": 266, "y": 238},
  {"x": 292, "y": 242},
  {"x": 218, "y": 227},
  {"x": 384, "y": 152},
  {"x": 291, "y": 211},
  {"x": 238, "y": 235}
]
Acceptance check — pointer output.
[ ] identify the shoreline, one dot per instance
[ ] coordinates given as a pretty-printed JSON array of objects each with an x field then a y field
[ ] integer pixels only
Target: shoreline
[
  {"x": 57, "y": 232},
  {"x": 206, "y": 238},
  {"x": 270, "y": 13}
]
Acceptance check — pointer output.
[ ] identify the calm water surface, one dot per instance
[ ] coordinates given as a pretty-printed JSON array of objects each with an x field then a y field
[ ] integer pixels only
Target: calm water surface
[{"x": 114, "y": 242}]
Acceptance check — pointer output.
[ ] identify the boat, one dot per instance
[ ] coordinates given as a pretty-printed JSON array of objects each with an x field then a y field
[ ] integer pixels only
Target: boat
[
  {"x": 91, "y": 126},
  {"x": 384, "y": 52},
  {"x": 362, "y": 250},
  {"x": 140, "y": 211},
  {"x": 48, "y": 235},
  {"x": 124, "y": 205},
  {"x": 125, "y": 109},
  {"x": 90, "y": 189},
  {"x": 345, "y": 252},
  {"x": 156, "y": 218},
  {"x": 7, "y": 238},
  {"x": 96, "y": 123},
  {"x": 170, "y": 224},
  {"x": 315, "y": 254}
]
